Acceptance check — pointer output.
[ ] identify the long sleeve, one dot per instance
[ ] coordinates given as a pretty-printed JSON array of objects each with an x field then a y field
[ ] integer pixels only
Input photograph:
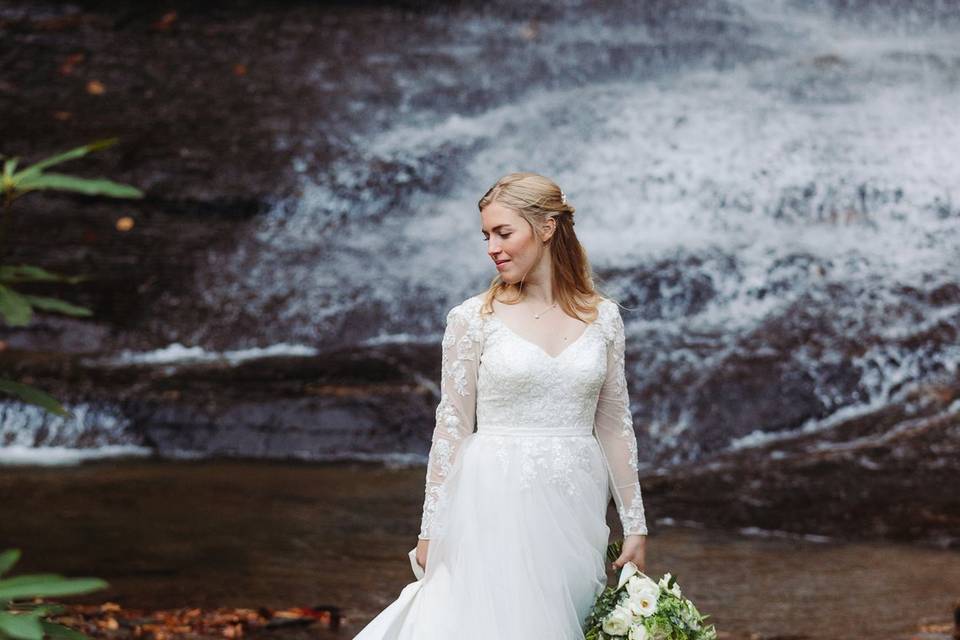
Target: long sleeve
[
  {"x": 613, "y": 426},
  {"x": 456, "y": 411}
]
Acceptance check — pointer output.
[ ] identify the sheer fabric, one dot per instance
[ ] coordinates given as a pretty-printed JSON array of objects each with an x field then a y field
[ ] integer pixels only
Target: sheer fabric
[
  {"x": 613, "y": 427},
  {"x": 456, "y": 412},
  {"x": 457, "y": 409},
  {"x": 526, "y": 452}
]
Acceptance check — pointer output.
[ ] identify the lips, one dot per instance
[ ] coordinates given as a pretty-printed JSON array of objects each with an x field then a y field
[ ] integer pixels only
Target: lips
[{"x": 502, "y": 262}]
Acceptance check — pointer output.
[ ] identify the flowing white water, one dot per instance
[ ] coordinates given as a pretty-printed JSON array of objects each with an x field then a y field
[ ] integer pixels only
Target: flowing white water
[{"x": 757, "y": 180}]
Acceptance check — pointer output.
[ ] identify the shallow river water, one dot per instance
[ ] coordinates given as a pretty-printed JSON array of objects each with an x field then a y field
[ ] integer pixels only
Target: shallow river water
[{"x": 247, "y": 533}]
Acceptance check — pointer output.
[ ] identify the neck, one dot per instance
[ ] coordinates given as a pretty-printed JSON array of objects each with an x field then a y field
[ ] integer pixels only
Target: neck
[
  {"x": 538, "y": 284},
  {"x": 538, "y": 294}
]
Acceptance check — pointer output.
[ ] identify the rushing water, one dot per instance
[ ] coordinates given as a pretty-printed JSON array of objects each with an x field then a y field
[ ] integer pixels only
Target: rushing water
[
  {"x": 246, "y": 534},
  {"x": 768, "y": 186}
]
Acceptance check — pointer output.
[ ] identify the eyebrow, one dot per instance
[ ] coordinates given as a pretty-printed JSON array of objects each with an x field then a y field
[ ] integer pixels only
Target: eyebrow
[{"x": 505, "y": 224}]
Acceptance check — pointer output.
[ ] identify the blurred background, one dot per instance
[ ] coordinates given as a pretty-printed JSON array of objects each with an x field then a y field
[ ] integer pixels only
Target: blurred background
[{"x": 771, "y": 188}]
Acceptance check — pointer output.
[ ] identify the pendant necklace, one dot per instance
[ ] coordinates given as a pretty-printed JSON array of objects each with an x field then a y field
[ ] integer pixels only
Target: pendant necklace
[{"x": 537, "y": 315}]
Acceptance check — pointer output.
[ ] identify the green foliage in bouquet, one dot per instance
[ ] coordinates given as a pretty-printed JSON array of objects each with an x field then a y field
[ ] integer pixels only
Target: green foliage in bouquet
[
  {"x": 21, "y": 618},
  {"x": 638, "y": 608},
  {"x": 614, "y": 549}
]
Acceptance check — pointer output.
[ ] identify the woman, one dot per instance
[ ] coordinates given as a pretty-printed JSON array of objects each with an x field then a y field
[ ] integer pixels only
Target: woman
[{"x": 513, "y": 534}]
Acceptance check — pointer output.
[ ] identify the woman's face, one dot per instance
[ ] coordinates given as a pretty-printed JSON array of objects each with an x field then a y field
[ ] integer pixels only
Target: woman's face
[{"x": 510, "y": 241}]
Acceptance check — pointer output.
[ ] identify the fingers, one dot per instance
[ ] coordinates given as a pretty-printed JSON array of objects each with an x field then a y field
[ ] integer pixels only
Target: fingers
[{"x": 622, "y": 560}]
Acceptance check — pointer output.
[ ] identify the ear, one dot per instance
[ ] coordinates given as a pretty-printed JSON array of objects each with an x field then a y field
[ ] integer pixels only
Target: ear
[{"x": 549, "y": 228}]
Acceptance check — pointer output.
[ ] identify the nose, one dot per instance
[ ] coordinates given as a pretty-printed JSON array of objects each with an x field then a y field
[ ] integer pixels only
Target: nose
[{"x": 493, "y": 248}]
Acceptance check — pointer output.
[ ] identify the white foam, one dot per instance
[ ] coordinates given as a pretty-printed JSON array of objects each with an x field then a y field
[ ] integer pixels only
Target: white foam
[
  {"x": 34, "y": 436},
  {"x": 177, "y": 353},
  {"x": 20, "y": 455},
  {"x": 759, "y": 532}
]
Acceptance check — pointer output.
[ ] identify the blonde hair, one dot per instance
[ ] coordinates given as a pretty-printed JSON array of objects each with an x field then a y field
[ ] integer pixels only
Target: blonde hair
[{"x": 537, "y": 198}]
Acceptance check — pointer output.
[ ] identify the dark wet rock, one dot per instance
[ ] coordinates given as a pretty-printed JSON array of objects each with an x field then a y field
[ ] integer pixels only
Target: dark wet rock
[
  {"x": 887, "y": 474},
  {"x": 337, "y": 404}
]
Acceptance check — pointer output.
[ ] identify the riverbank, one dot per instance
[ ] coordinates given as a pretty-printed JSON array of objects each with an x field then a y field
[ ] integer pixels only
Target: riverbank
[{"x": 235, "y": 533}]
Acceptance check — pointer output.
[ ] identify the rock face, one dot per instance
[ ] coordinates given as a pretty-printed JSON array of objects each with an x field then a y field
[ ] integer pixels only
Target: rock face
[{"x": 775, "y": 226}]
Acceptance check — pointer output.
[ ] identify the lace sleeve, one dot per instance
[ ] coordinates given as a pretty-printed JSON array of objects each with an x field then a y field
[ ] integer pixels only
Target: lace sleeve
[
  {"x": 457, "y": 408},
  {"x": 613, "y": 426}
]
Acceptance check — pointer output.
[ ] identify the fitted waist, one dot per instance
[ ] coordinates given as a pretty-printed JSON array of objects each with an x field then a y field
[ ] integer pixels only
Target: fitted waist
[{"x": 533, "y": 430}]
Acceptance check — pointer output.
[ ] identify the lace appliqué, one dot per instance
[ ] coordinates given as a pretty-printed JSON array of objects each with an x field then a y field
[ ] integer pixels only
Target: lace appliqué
[
  {"x": 456, "y": 411},
  {"x": 583, "y": 390},
  {"x": 633, "y": 518},
  {"x": 563, "y": 461},
  {"x": 614, "y": 428},
  {"x": 620, "y": 388}
]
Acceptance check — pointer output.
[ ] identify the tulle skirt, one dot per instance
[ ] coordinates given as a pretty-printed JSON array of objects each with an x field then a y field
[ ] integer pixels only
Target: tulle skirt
[{"x": 518, "y": 545}]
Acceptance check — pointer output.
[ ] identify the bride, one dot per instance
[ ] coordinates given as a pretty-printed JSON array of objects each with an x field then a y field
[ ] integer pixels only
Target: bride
[{"x": 513, "y": 534}]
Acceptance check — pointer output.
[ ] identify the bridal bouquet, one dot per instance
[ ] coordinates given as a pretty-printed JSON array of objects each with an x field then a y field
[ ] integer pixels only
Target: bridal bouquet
[{"x": 640, "y": 609}]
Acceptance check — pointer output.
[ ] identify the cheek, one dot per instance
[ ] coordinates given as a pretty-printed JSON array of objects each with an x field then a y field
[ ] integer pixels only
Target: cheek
[{"x": 518, "y": 248}]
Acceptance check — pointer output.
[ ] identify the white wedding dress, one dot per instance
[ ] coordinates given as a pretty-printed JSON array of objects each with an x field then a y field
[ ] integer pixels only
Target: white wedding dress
[{"x": 516, "y": 510}]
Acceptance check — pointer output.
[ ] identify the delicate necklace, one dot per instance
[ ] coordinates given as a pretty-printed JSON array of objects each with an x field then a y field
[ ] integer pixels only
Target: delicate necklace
[{"x": 537, "y": 315}]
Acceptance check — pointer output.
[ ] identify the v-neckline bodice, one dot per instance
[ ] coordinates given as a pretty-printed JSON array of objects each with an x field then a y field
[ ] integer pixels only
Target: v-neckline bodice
[{"x": 496, "y": 318}]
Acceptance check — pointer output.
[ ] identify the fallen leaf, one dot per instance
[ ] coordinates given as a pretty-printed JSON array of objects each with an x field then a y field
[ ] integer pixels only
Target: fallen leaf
[
  {"x": 166, "y": 21},
  {"x": 71, "y": 61}
]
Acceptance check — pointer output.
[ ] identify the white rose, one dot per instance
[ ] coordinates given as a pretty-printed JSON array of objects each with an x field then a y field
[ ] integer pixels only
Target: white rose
[
  {"x": 638, "y": 632},
  {"x": 643, "y": 602},
  {"x": 618, "y": 622},
  {"x": 641, "y": 583}
]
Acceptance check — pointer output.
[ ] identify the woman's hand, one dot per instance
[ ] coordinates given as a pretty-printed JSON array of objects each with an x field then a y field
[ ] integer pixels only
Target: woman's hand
[
  {"x": 422, "y": 546},
  {"x": 634, "y": 550}
]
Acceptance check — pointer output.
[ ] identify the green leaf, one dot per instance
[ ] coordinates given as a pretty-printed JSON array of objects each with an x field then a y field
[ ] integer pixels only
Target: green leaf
[
  {"x": 7, "y": 559},
  {"x": 14, "y": 307},
  {"x": 34, "y": 396},
  {"x": 61, "y": 632},
  {"x": 9, "y": 166},
  {"x": 46, "y": 609},
  {"x": 29, "y": 578},
  {"x": 46, "y": 585},
  {"x": 58, "y": 306},
  {"x": 78, "y": 152},
  {"x": 22, "y": 627},
  {"x": 614, "y": 549},
  {"x": 30, "y": 273},
  {"x": 90, "y": 187}
]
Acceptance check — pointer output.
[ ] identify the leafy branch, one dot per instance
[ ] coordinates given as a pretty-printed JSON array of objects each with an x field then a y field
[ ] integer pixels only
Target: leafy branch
[
  {"x": 22, "y": 617},
  {"x": 17, "y": 308}
]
